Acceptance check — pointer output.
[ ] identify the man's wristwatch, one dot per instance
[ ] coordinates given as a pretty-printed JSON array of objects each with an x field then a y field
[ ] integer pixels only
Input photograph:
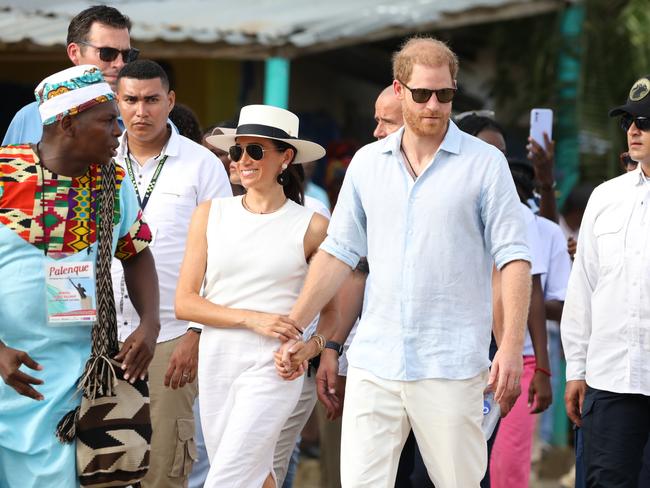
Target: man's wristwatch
[
  {"x": 198, "y": 330},
  {"x": 334, "y": 345}
]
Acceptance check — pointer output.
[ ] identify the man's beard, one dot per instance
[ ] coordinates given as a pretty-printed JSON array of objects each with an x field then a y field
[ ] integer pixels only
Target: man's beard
[{"x": 421, "y": 128}]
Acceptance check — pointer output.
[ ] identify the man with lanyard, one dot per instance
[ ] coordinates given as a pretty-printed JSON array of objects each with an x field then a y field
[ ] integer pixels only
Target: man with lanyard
[
  {"x": 172, "y": 175},
  {"x": 99, "y": 36},
  {"x": 606, "y": 319},
  {"x": 49, "y": 195},
  {"x": 419, "y": 358}
]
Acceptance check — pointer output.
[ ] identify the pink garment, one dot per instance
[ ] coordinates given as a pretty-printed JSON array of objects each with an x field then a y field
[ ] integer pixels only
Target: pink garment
[{"x": 512, "y": 450}]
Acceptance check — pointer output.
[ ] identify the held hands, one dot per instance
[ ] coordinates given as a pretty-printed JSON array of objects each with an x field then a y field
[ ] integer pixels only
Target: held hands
[
  {"x": 505, "y": 375},
  {"x": 10, "y": 362},
  {"x": 540, "y": 392},
  {"x": 183, "y": 363},
  {"x": 288, "y": 366},
  {"x": 137, "y": 351},
  {"x": 574, "y": 395},
  {"x": 273, "y": 325}
]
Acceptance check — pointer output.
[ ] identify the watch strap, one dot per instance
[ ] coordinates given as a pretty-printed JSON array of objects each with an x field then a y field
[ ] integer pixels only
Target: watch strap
[{"x": 334, "y": 345}]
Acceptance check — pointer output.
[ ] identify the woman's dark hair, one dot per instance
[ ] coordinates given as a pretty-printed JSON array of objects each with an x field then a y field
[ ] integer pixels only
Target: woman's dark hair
[
  {"x": 294, "y": 175},
  {"x": 475, "y": 124}
]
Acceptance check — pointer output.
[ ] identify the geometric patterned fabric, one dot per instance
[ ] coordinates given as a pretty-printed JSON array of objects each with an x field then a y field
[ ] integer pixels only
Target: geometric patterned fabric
[{"x": 58, "y": 213}]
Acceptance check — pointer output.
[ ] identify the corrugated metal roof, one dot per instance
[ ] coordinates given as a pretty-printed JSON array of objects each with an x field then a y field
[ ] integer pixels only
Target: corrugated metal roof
[{"x": 262, "y": 27}]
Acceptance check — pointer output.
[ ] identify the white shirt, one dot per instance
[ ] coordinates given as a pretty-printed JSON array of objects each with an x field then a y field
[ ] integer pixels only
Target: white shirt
[
  {"x": 190, "y": 175},
  {"x": 606, "y": 320},
  {"x": 555, "y": 263}
]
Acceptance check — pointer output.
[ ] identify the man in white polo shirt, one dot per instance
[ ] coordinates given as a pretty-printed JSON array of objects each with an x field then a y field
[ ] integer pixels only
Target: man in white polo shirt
[{"x": 172, "y": 175}]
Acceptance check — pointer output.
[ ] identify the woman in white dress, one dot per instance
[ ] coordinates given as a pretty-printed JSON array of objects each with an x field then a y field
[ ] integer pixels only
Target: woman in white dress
[{"x": 250, "y": 255}]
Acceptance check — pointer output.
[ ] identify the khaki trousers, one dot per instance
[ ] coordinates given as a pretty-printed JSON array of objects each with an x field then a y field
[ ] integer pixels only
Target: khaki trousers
[
  {"x": 446, "y": 419},
  {"x": 172, "y": 443}
]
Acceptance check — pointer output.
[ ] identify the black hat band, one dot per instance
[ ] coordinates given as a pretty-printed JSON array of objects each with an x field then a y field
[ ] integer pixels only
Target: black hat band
[{"x": 263, "y": 130}]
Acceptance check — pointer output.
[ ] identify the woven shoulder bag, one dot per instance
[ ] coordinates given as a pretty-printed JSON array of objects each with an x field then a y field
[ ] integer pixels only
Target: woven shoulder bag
[{"x": 112, "y": 426}]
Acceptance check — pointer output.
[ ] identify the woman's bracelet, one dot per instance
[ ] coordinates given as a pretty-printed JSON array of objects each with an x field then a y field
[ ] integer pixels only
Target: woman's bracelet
[
  {"x": 320, "y": 340},
  {"x": 543, "y": 370}
]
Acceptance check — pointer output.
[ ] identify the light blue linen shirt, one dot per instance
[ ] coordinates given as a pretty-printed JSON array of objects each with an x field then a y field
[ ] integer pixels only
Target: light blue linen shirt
[{"x": 430, "y": 245}]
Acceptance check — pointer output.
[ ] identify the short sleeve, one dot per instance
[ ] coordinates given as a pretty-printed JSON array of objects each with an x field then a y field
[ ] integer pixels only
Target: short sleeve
[{"x": 134, "y": 233}]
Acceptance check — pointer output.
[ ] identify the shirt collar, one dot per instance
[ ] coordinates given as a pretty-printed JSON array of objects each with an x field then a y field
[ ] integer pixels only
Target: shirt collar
[
  {"x": 450, "y": 143},
  {"x": 171, "y": 148},
  {"x": 637, "y": 176}
]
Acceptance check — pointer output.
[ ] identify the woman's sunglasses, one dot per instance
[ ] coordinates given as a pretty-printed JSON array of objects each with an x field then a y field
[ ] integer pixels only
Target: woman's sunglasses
[
  {"x": 422, "y": 95},
  {"x": 642, "y": 123},
  {"x": 108, "y": 54},
  {"x": 255, "y": 151}
]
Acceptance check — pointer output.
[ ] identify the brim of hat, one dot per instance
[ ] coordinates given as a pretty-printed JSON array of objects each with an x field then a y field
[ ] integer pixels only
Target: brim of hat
[
  {"x": 306, "y": 151},
  {"x": 625, "y": 109}
]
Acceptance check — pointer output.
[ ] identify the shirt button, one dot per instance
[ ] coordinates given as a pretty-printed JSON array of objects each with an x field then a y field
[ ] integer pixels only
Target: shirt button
[
  {"x": 126, "y": 323},
  {"x": 126, "y": 296}
]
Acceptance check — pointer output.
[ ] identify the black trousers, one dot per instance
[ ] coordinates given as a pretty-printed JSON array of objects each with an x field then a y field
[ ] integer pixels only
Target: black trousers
[{"x": 616, "y": 430}]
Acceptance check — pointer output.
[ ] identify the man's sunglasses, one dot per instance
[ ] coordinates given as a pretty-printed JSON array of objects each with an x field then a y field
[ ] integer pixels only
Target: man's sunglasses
[
  {"x": 108, "y": 54},
  {"x": 255, "y": 151},
  {"x": 642, "y": 123},
  {"x": 422, "y": 95}
]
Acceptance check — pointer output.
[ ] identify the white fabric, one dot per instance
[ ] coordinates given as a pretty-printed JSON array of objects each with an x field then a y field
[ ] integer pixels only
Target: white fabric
[
  {"x": 554, "y": 259},
  {"x": 606, "y": 319},
  {"x": 191, "y": 174},
  {"x": 255, "y": 262},
  {"x": 64, "y": 102},
  {"x": 293, "y": 427},
  {"x": 446, "y": 418}
]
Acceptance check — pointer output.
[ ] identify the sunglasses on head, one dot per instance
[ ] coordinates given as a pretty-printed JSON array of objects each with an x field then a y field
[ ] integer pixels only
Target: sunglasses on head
[
  {"x": 108, "y": 54},
  {"x": 642, "y": 123},
  {"x": 254, "y": 151},
  {"x": 422, "y": 95}
]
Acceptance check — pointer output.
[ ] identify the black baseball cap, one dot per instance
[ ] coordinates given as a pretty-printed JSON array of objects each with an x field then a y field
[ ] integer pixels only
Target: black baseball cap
[{"x": 638, "y": 100}]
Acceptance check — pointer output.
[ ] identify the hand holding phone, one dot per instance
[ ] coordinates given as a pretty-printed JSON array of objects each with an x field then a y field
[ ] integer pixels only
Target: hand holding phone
[{"x": 541, "y": 121}]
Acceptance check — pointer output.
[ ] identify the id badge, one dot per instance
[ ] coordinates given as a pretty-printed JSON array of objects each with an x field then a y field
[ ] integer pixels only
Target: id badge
[{"x": 70, "y": 293}]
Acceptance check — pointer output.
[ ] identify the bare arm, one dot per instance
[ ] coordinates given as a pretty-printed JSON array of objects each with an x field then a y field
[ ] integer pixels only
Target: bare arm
[
  {"x": 507, "y": 365},
  {"x": 325, "y": 276},
  {"x": 539, "y": 392},
  {"x": 191, "y": 306},
  {"x": 554, "y": 309},
  {"x": 543, "y": 163}
]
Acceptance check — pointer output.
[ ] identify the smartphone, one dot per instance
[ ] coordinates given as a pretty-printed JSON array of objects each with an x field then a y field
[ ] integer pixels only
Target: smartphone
[{"x": 541, "y": 121}]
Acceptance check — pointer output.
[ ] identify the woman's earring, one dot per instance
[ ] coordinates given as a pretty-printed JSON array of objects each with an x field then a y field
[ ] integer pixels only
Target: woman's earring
[{"x": 283, "y": 177}]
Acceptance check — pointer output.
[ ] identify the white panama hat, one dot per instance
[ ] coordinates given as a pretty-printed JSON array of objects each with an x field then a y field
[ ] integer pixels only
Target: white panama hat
[{"x": 270, "y": 123}]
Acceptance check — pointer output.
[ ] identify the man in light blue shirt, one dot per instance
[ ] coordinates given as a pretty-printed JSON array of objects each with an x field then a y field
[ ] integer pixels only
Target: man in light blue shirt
[
  {"x": 99, "y": 36},
  {"x": 433, "y": 209}
]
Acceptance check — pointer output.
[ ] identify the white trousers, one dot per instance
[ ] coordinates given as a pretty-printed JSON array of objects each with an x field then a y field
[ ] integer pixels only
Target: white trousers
[
  {"x": 445, "y": 416},
  {"x": 293, "y": 427},
  {"x": 244, "y": 405}
]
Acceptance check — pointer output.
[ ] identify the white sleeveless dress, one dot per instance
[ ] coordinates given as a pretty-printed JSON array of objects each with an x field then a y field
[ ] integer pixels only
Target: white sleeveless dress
[{"x": 255, "y": 262}]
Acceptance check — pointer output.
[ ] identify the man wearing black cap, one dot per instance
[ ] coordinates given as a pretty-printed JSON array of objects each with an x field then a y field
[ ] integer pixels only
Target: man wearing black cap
[{"x": 606, "y": 319}]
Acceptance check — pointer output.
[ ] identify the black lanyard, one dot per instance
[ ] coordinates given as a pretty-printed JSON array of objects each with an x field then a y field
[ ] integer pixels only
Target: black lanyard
[{"x": 143, "y": 201}]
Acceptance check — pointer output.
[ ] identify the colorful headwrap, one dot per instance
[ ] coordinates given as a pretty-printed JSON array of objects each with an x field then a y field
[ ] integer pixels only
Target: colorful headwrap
[{"x": 71, "y": 91}]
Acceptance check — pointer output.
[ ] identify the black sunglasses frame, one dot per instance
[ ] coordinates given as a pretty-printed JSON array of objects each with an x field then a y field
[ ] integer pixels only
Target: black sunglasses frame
[
  {"x": 423, "y": 95},
  {"x": 110, "y": 54},
  {"x": 236, "y": 152},
  {"x": 641, "y": 123}
]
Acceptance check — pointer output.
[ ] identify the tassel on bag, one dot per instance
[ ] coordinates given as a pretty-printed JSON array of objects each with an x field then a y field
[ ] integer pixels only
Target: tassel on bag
[{"x": 66, "y": 429}]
